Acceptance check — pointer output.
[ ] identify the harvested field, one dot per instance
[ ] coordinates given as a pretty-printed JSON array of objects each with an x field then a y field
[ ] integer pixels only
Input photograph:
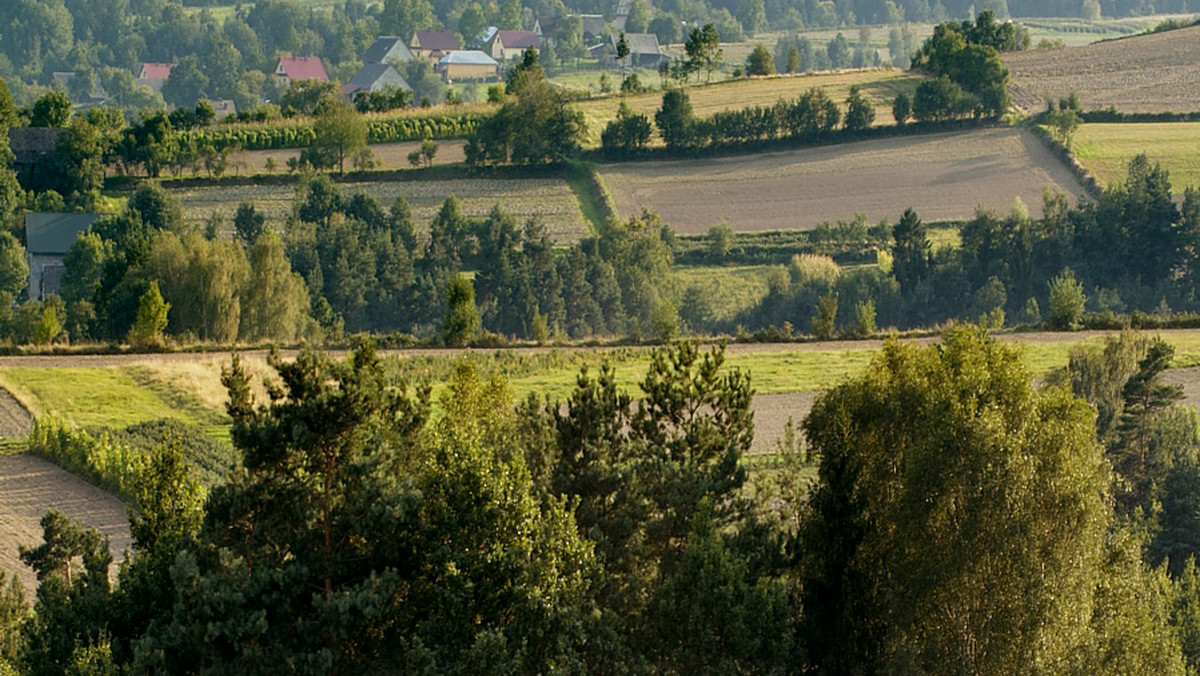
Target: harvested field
[
  {"x": 29, "y": 487},
  {"x": 1157, "y": 73},
  {"x": 943, "y": 176},
  {"x": 1105, "y": 150},
  {"x": 549, "y": 199},
  {"x": 879, "y": 85}
]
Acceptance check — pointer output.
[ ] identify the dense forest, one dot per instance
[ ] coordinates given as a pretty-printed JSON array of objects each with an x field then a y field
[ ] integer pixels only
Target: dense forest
[{"x": 960, "y": 517}]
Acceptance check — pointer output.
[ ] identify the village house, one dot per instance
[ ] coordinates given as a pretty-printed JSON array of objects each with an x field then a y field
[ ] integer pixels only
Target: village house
[
  {"x": 594, "y": 27},
  {"x": 509, "y": 45},
  {"x": 154, "y": 75},
  {"x": 433, "y": 45},
  {"x": 387, "y": 49},
  {"x": 374, "y": 77},
  {"x": 223, "y": 108},
  {"x": 48, "y": 238},
  {"x": 292, "y": 68},
  {"x": 644, "y": 50},
  {"x": 467, "y": 65}
]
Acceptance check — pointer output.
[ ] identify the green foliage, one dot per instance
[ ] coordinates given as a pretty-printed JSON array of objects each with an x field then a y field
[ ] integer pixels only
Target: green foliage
[
  {"x": 248, "y": 223},
  {"x": 825, "y": 320},
  {"x": 901, "y": 108},
  {"x": 537, "y": 126},
  {"x": 860, "y": 113},
  {"x": 674, "y": 119},
  {"x": 338, "y": 132},
  {"x": 968, "y": 55},
  {"x": 1066, "y": 300},
  {"x": 462, "y": 317},
  {"x": 902, "y": 535},
  {"x": 628, "y": 133},
  {"x": 151, "y": 318},
  {"x": 52, "y": 110},
  {"x": 760, "y": 61},
  {"x": 14, "y": 270}
]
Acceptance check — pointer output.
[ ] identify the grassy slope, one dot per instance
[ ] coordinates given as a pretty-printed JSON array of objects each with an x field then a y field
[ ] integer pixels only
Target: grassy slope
[
  {"x": 1105, "y": 149},
  {"x": 120, "y": 396}
]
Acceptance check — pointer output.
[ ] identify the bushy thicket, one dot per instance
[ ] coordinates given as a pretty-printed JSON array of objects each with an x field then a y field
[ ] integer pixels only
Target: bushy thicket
[{"x": 300, "y": 134}]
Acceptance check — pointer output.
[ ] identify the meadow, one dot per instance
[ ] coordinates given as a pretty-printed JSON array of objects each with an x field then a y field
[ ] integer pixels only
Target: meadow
[
  {"x": 944, "y": 176},
  {"x": 1106, "y": 148}
]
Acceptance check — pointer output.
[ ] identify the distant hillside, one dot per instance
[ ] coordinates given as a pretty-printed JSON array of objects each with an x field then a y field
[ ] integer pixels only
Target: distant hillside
[{"x": 1155, "y": 73}]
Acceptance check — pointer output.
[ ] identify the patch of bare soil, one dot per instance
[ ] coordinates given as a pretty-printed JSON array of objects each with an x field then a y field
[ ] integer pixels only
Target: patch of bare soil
[
  {"x": 771, "y": 415},
  {"x": 29, "y": 487},
  {"x": 15, "y": 421},
  {"x": 943, "y": 176},
  {"x": 1157, "y": 73}
]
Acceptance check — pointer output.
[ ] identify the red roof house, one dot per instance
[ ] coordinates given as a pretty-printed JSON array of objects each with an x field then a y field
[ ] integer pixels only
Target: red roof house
[
  {"x": 300, "y": 68},
  {"x": 153, "y": 75}
]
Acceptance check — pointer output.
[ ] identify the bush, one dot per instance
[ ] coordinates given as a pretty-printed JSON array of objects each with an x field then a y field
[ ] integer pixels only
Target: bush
[{"x": 1067, "y": 300}]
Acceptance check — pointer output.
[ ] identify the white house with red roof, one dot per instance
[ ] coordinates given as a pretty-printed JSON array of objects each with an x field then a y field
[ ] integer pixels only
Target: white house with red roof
[
  {"x": 293, "y": 68},
  {"x": 153, "y": 75},
  {"x": 508, "y": 45}
]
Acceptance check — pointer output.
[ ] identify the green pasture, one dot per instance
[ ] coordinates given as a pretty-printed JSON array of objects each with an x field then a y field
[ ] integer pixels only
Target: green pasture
[
  {"x": 728, "y": 291},
  {"x": 1106, "y": 148},
  {"x": 90, "y": 397}
]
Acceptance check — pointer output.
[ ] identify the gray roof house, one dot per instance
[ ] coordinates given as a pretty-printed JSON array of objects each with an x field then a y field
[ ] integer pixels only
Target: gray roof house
[
  {"x": 33, "y": 147},
  {"x": 373, "y": 77},
  {"x": 387, "y": 49},
  {"x": 643, "y": 49},
  {"x": 48, "y": 238}
]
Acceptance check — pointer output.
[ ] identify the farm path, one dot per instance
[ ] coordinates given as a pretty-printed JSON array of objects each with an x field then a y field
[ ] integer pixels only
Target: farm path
[{"x": 31, "y": 486}]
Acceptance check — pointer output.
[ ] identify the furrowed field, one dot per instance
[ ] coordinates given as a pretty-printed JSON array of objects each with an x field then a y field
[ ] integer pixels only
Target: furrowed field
[
  {"x": 549, "y": 199},
  {"x": 1105, "y": 149},
  {"x": 880, "y": 86},
  {"x": 943, "y": 176},
  {"x": 1145, "y": 74}
]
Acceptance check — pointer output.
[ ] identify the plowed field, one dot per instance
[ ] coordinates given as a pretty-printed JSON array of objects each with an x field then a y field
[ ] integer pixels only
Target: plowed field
[
  {"x": 1157, "y": 73},
  {"x": 943, "y": 176}
]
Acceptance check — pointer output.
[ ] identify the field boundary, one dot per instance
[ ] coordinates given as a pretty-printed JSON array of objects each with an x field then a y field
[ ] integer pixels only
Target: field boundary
[
  {"x": 1088, "y": 180},
  {"x": 594, "y": 199}
]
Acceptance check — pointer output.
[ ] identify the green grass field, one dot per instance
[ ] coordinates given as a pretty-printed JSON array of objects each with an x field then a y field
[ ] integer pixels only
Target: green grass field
[
  {"x": 91, "y": 397},
  {"x": 879, "y": 85},
  {"x": 728, "y": 290},
  {"x": 1106, "y": 148}
]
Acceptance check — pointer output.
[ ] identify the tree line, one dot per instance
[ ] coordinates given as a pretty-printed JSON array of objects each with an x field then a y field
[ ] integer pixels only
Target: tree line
[{"x": 959, "y": 516}]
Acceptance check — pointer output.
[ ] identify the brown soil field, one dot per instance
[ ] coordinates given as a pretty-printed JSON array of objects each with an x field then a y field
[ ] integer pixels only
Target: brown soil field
[
  {"x": 29, "y": 487},
  {"x": 1157, "y": 73},
  {"x": 943, "y": 176},
  {"x": 388, "y": 155}
]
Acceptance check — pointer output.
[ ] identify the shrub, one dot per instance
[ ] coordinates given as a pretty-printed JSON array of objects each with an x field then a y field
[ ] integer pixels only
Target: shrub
[{"x": 1066, "y": 300}]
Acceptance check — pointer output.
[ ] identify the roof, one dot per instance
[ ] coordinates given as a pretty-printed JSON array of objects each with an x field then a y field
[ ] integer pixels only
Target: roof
[
  {"x": 157, "y": 71},
  {"x": 52, "y": 233},
  {"x": 639, "y": 43},
  {"x": 467, "y": 57},
  {"x": 302, "y": 67},
  {"x": 373, "y": 77},
  {"x": 518, "y": 39},
  {"x": 444, "y": 41},
  {"x": 387, "y": 48},
  {"x": 546, "y": 24},
  {"x": 594, "y": 24},
  {"x": 30, "y": 144}
]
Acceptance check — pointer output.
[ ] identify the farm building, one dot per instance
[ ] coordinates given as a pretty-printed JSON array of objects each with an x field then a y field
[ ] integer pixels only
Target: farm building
[
  {"x": 433, "y": 45},
  {"x": 594, "y": 27},
  {"x": 224, "y": 108},
  {"x": 48, "y": 238},
  {"x": 374, "y": 77},
  {"x": 82, "y": 94},
  {"x": 153, "y": 75},
  {"x": 643, "y": 49},
  {"x": 467, "y": 65},
  {"x": 292, "y": 68},
  {"x": 33, "y": 148},
  {"x": 387, "y": 49},
  {"x": 509, "y": 45}
]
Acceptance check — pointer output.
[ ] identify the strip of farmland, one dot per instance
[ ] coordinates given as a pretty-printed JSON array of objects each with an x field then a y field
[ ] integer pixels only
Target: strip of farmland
[{"x": 943, "y": 176}]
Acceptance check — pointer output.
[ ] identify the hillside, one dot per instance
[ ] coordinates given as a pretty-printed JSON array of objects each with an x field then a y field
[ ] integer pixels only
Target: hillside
[{"x": 1155, "y": 73}]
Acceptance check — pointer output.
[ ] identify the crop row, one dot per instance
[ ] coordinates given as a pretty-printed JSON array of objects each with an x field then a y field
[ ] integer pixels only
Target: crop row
[{"x": 302, "y": 135}]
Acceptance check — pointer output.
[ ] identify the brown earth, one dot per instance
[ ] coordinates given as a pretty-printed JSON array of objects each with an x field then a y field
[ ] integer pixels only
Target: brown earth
[
  {"x": 944, "y": 176},
  {"x": 1157, "y": 73},
  {"x": 388, "y": 155},
  {"x": 29, "y": 487}
]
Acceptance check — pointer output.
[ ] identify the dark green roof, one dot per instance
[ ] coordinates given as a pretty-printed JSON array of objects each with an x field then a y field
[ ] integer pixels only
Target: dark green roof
[{"x": 47, "y": 233}]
